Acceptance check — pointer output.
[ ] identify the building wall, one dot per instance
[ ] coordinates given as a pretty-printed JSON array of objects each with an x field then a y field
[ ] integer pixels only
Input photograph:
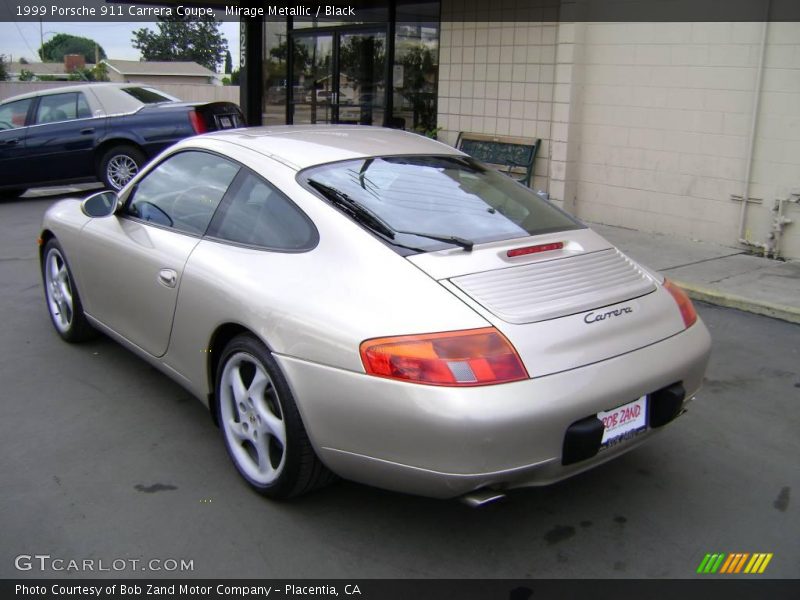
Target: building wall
[
  {"x": 665, "y": 122},
  {"x": 497, "y": 78},
  {"x": 644, "y": 125}
]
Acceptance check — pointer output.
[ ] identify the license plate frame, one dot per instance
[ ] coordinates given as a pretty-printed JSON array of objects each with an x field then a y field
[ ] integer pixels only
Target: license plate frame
[
  {"x": 624, "y": 422},
  {"x": 226, "y": 122}
]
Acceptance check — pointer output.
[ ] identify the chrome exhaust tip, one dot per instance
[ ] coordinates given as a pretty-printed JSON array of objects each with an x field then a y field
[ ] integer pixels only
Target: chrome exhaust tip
[{"x": 480, "y": 498}]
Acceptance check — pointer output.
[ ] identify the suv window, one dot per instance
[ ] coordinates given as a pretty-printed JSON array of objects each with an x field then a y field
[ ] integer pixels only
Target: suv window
[
  {"x": 257, "y": 214},
  {"x": 62, "y": 107},
  {"x": 183, "y": 191},
  {"x": 12, "y": 115}
]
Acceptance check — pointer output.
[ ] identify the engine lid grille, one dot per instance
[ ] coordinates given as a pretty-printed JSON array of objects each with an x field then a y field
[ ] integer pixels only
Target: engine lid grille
[{"x": 556, "y": 288}]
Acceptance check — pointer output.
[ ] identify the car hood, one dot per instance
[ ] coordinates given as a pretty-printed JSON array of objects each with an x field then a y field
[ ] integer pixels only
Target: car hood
[{"x": 563, "y": 308}]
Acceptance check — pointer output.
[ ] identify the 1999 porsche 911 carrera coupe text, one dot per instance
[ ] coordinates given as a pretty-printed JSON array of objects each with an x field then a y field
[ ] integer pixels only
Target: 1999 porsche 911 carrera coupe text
[{"x": 376, "y": 305}]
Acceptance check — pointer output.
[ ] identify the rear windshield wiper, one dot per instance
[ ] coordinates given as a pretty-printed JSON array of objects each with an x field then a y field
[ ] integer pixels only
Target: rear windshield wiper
[
  {"x": 359, "y": 212},
  {"x": 365, "y": 216},
  {"x": 450, "y": 239}
]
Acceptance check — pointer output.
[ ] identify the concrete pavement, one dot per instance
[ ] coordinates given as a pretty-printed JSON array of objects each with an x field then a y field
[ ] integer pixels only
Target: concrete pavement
[{"x": 716, "y": 274}]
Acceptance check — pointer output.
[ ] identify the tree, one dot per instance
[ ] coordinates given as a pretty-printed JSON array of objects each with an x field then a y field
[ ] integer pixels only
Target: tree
[
  {"x": 3, "y": 71},
  {"x": 232, "y": 79},
  {"x": 228, "y": 62},
  {"x": 197, "y": 39},
  {"x": 419, "y": 86},
  {"x": 54, "y": 49},
  {"x": 97, "y": 73},
  {"x": 26, "y": 75}
]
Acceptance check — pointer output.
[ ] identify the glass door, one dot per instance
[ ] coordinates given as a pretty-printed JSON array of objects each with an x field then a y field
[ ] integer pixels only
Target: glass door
[
  {"x": 362, "y": 77},
  {"x": 312, "y": 78},
  {"x": 339, "y": 77}
]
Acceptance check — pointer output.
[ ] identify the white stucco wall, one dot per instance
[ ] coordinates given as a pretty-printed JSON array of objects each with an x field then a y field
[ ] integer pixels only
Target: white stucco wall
[{"x": 644, "y": 125}]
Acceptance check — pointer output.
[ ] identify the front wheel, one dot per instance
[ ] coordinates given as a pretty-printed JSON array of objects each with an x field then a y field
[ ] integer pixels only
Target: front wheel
[
  {"x": 63, "y": 301},
  {"x": 119, "y": 165},
  {"x": 263, "y": 431}
]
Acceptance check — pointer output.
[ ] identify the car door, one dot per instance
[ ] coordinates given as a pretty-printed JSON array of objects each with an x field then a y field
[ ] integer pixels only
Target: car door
[
  {"x": 13, "y": 117},
  {"x": 62, "y": 137},
  {"x": 130, "y": 264}
]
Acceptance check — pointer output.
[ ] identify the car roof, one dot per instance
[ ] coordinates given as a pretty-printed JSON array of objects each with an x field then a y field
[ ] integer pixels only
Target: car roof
[
  {"x": 78, "y": 87},
  {"x": 302, "y": 146}
]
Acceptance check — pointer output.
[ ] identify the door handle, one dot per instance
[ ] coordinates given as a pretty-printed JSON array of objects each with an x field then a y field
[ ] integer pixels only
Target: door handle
[
  {"x": 11, "y": 142},
  {"x": 168, "y": 277},
  {"x": 87, "y": 131}
]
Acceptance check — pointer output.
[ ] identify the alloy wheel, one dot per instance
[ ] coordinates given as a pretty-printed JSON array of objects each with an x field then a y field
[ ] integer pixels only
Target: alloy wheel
[
  {"x": 252, "y": 418},
  {"x": 59, "y": 290}
]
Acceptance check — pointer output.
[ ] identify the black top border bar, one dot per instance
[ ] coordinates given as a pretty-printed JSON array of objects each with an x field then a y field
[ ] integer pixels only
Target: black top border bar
[{"x": 359, "y": 11}]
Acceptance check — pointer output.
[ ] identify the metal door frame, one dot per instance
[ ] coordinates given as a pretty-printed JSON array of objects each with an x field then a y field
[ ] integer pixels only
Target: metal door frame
[{"x": 336, "y": 34}]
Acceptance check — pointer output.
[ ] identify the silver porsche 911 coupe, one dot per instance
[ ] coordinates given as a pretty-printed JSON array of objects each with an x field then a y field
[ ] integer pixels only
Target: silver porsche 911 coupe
[{"x": 372, "y": 304}]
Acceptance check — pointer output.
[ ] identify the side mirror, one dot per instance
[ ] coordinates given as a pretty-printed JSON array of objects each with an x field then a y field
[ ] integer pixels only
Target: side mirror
[{"x": 101, "y": 204}]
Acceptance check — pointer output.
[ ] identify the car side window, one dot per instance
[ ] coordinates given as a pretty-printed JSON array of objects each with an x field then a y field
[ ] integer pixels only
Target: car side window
[
  {"x": 83, "y": 107},
  {"x": 257, "y": 214},
  {"x": 13, "y": 114},
  {"x": 183, "y": 191},
  {"x": 60, "y": 107}
]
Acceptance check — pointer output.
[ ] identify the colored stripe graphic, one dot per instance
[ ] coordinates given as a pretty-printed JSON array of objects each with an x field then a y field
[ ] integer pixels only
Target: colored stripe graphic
[
  {"x": 740, "y": 564},
  {"x": 767, "y": 558},
  {"x": 734, "y": 563},
  {"x": 727, "y": 565},
  {"x": 704, "y": 564}
]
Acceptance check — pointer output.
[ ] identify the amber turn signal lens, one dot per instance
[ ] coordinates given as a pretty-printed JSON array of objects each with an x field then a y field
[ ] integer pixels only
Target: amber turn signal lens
[
  {"x": 454, "y": 358},
  {"x": 684, "y": 304}
]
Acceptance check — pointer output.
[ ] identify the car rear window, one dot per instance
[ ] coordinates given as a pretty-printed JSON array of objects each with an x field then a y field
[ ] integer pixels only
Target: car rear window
[
  {"x": 149, "y": 95},
  {"x": 443, "y": 196}
]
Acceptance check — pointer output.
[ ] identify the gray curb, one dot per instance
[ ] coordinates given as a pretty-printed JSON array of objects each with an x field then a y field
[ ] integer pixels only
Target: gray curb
[{"x": 719, "y": 298}]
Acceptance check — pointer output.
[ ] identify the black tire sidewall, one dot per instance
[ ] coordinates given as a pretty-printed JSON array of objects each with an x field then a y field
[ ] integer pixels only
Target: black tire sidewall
[{"x": 283, "y": 486}]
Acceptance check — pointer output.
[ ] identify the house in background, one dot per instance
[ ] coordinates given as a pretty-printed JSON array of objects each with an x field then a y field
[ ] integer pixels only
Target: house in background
[
  {"x": 47, "y": 71},
  {"x": 158, "y": 72}
]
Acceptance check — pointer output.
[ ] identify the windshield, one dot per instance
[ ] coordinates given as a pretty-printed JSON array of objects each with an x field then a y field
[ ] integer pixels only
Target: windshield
[
  {"x": 148, "y": 95},
  {"x": 447, "y": 196}
]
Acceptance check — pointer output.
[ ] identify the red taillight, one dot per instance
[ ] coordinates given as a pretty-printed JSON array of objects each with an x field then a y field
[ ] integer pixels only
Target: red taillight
[
  {"x": 682, "y": 300},
  {"x": 453, "y": 358},
  {"x": 197, "y": 122},
  {"x": 534, "y": 249}
]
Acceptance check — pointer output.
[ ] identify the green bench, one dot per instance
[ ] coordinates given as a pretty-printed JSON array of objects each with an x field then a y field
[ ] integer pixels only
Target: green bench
[{"x": 514, "y": 156}]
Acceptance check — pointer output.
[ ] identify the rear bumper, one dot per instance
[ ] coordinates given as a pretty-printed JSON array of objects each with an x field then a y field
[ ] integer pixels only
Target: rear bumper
[{"x": 444, "y": 442}]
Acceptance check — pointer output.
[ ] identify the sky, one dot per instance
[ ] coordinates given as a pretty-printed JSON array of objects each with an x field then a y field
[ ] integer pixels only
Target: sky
[{"x": 19, "y": 39}]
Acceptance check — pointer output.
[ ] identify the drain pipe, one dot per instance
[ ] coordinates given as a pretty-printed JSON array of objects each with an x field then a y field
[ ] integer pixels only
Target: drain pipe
[
  {"x": 752, "y": 138},
  {"x": 773, "y": 243}
]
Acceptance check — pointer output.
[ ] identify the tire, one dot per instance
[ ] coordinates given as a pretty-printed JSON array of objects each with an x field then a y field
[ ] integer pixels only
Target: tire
[
  {"x": 260, "y": 423},
  {"x": 11, "y": 193},
  {"x": 119, "y": 164},
  {"x": 63, "y": 302}
]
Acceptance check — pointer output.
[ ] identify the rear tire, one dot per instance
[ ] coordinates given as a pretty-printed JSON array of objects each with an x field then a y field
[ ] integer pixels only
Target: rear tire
[
  {"x": 262, "y": 428},
  {"x": 119, "y": 164},
  {"x": 63, "y": 301}
]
